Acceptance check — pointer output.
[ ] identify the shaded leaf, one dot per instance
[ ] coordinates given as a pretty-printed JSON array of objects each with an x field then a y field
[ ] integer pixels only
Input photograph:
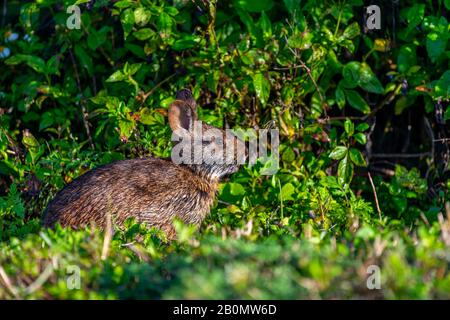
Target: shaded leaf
[
  {"x": 254, "y": 6},
  {"x": 338, "y": 153},
  {"x": 357, "y": 157},
  {"x": 262, "y": 87},
  {"x": 356, "y": 101}
]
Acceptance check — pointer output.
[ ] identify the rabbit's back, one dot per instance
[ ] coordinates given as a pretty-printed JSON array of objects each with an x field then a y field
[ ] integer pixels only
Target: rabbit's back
[{"x": 151, "y": 190}]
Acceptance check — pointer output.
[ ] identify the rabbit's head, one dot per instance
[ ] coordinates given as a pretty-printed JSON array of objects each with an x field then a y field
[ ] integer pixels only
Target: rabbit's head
[{"x": 209, "y": 151}]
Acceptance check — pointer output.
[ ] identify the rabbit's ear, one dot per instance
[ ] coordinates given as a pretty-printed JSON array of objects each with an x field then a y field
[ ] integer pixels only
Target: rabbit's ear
[{"x": 181, "y": 115}]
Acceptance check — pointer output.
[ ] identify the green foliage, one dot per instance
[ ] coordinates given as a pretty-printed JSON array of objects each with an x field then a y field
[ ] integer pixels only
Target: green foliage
[
  {"x": 309, "y": 267},
  {"x": 72, "y": 99}
]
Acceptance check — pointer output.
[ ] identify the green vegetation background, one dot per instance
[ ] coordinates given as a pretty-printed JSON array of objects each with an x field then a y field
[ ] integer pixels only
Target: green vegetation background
[{"x": 353, "y": 106}]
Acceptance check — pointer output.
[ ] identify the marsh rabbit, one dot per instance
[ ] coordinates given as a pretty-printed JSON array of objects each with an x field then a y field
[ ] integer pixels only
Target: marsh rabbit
[{"x": 154, "y": 191}]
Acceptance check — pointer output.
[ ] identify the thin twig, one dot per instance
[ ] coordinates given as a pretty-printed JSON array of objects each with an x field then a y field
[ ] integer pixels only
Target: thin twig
[
  {"x": 388, "y": 99},
  {"x": 329, "y": 119},
  {"x": 287, "y": 68},
  {"x": 387, "y": 172},
  {"x": 375, "y": 195},
  {"x": 40, "y": 280},
  {"x": 401, "y": 155},
  {"x": 138, "y": 251},
  {"x": 308, "y": 72},
  {"x": 150, "y": 92}
]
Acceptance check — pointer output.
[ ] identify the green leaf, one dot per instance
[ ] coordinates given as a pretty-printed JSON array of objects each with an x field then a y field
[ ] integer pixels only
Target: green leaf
[
  {"x": 362, "y": 127},
  {"x": 141, "y": 16},
  {"x": 131, "y": 69},
  {"x": 126, "y": 128},
  {"x": 127, "y": 20},
  {"x": 143, "y": 34},
  {"x": 52, "y": 65},
  {"x": 287, "y": 191},
  {"x": 36, "y": 63},
  {"x": 406, "y": 57},
  {"x": 369, "y": 81},
  {"x": 85, "y": 59},
  {"x": 165, "y": 23},
  {"x": 349, "y": 127},
  {"x": 415, "y": 15},
  {"x": 146, "y": 116},
  {"x": 187, "y": 42},
  {"x": 442, "y": 86},
  {"x": 236, "y": 189},
  {"x": 122, "y": 4},
  {"x": 345, "y": 171},
  {"x": 351, "y": 72},
  {"x": 213, "y": 80},
  {"x": 32, "y": 145},
  {"x": 447, "y": 114},
  {"x": 356, "y": 101},
  {"x": 357, "y": 157},
  {"x": 338, "y": 153},
  {"x": 254, "y": 6},
  {"x": 255, "y": 32},
  {"x": 340, "y": 97},
  {"x": 262, "y": 87},
  {"x": 117, "y": 76},
  {"x": 292, "y": 5},
  {"x": 436, "y": 44},
  {"x": 301, "y": 40},
  {"x": 351, "y": 31},
  {"x": 266, "y": 25},
  {"x": 288, "y": 155},
  {"x": 97, "y": 38},
  {"x": 361, "y": 74},
  {"x": 47, "y": 120},
  {"x": 348, "y": 44},
  {"x": 360, "y": 137}
]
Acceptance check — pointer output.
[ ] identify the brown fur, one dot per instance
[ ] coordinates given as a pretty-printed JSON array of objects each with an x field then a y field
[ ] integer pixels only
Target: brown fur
[{"x": 154, "y": 191}]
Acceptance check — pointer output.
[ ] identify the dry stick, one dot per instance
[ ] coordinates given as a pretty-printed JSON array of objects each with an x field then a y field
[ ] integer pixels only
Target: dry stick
[
  {"x": 339, "y": 118},
  {"x": 83, "y": 107},
  {"x": 8, "y": 284},
  {"x": 374, "y": 194},
  {"x": 40, "y": 280},
  {"x": 400, "y": 155},
  {"x": 384, "y": 171},
  {"x": 150, "y": 92},
  {"x": 388, "y": 99},
  {"x": 138, "y": 251}
]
